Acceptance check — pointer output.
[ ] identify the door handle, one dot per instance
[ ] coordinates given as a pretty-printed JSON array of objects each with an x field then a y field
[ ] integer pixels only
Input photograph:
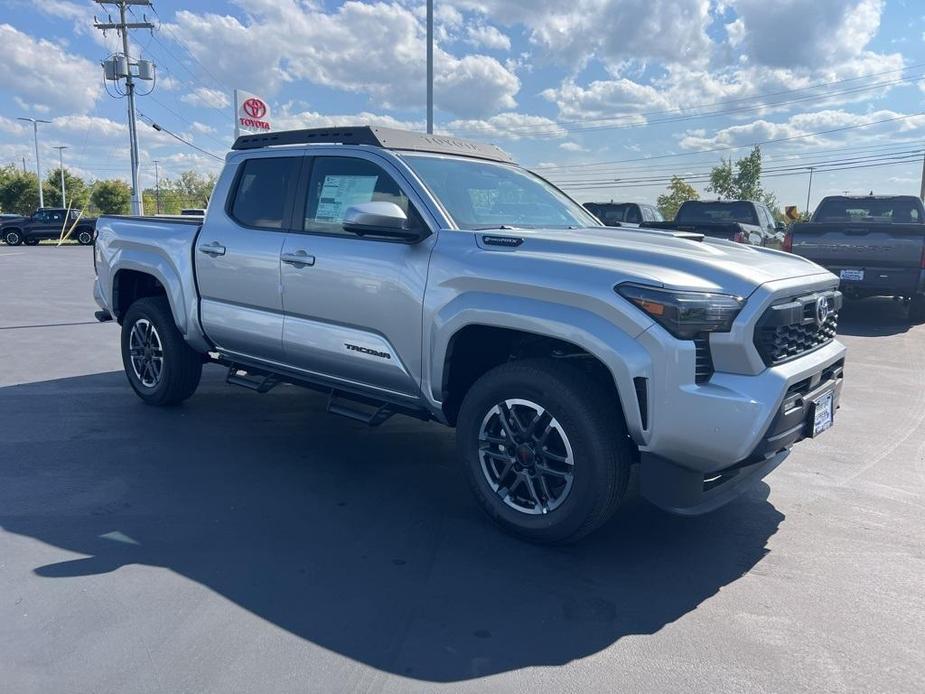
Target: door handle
[
  {"x": 213, "y": 249},
  {"x": 298, "y": 259}
]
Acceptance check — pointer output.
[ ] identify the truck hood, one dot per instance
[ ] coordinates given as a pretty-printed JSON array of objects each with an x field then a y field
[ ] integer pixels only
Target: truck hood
[
  {"x": 658, "y": 258},
  {"x": 13, "y": 220}
]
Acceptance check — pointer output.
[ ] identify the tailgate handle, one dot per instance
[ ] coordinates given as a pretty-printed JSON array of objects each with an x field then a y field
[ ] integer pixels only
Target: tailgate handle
[
  {"x": 298, "y": 259},
  {"x": 213, "y": 249}
]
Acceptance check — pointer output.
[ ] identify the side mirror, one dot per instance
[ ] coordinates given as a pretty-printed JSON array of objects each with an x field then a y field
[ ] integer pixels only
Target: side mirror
[{"x": 379, "y": 219}]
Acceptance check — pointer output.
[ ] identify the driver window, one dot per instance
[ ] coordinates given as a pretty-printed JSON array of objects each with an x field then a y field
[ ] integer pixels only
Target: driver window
[{"x": 338, "y": 183}]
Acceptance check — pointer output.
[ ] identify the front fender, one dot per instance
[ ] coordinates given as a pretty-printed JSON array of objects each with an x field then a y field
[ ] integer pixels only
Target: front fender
[{"x": 614, "y": 347}]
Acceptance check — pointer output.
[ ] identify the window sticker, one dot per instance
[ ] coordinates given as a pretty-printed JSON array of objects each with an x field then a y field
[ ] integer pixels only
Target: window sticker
[{"x": 341, "y": 192}]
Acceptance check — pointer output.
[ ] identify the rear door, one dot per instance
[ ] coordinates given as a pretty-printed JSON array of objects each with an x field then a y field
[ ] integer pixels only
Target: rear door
[
  {"x": 237, "y": 257},
  {"x": 353, "y": 305}
]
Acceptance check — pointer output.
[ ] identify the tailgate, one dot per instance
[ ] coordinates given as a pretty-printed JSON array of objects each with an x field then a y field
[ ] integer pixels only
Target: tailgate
[{"x": 875, "y": 245}]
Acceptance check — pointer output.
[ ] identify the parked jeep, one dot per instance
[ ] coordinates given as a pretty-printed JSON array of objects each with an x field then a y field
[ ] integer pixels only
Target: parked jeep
[{"x": 429, "y": 276}]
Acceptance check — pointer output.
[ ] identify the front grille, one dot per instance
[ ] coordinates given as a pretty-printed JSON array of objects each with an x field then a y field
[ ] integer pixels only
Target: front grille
[
  {"x": 792, "y": 328},
  {"x": 703, "y": 368}
]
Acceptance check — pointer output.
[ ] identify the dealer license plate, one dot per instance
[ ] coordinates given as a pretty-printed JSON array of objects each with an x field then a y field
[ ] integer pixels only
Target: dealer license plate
[
  {"x": 855, "y": 275},
  {"x": 822, "y": 412}
]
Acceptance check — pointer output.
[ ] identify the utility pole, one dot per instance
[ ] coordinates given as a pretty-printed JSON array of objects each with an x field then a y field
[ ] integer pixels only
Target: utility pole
[
  {"x": 922, "y": 188},
  {"x": 430, "y": 67},
  {"x": 157, "y": 188},
  {"x": 61, "y": 149},
  {"x": 38, "y": 165},
  {"x": 123, "y": 27},
  {"x": 809, "y": 190},
  {"x": 24, "y": 165}
]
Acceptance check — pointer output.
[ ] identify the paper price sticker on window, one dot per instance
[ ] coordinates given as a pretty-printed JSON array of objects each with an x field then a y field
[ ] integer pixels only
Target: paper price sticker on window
[{"x": 338, "y": 193}]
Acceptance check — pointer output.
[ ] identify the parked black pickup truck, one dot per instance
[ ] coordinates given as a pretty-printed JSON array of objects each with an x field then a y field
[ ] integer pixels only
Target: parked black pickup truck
[
  {"x": 624, "y": 214},
  {"x": 736, "y": 220},
  {"x": 875, "y": 244},
  {"x": 47, "y": 223}
]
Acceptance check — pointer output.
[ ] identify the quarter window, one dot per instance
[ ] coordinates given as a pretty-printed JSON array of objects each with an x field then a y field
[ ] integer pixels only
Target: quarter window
[
  {"x": 263, "y": 190},
  {"x": 339, "y": 183}
]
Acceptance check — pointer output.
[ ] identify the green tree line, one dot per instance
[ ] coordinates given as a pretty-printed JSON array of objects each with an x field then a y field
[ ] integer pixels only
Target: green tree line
[
  {"x": 19, "y": 193},
  {"x": 730, "y": 180}
]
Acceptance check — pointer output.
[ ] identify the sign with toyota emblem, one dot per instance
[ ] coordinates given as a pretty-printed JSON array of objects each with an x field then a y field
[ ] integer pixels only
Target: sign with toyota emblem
[{"x": 252, "y": 113}]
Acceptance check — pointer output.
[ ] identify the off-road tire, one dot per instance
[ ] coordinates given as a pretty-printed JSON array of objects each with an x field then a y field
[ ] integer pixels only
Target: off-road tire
[
  {"x": 181, "y": 366},
  {"x": 591, "y": 417},
  {"x": 13, "y": 237},
  {"x": 84, "y": 237},
  {"x": 917, "y": 309}
]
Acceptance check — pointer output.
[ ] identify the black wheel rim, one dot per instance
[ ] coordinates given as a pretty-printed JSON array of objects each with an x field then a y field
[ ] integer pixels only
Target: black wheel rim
[{"x": 526, "y": 456}]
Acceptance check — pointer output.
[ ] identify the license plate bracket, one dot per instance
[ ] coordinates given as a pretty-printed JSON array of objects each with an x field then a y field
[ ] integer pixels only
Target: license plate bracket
[{"x": 821, "y": 413}]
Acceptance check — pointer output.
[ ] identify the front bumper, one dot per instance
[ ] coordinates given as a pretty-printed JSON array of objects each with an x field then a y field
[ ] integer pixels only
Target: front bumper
[{"x": 687, "y": 491}]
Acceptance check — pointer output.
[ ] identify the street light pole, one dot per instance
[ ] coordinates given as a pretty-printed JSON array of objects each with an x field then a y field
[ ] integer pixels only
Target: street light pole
[
  {"x": 157, "y": 188},
  {"x": 430, "y": 67},
  {"x": 809, "y": 190},
  {"x": 38, "y": 166},
  {"x": 61, "y": 149}
]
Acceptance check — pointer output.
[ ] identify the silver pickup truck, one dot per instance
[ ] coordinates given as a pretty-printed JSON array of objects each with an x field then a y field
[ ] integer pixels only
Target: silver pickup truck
[
  {"x": 875, "y": 244},
  {"x": 422, "y": 275}
]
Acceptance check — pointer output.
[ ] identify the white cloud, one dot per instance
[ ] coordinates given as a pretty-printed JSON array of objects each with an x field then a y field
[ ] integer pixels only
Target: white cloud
[
  {"x": 43, "y": 75},
  {"x": 206, "y": 97},
  {"x": 573, "y": 147},
  {"x": 373, "y": 49},
  {"x": 488, "y": 36},
  {"x": 510, "y": 126},
  {"x": 287, "y": 119}
]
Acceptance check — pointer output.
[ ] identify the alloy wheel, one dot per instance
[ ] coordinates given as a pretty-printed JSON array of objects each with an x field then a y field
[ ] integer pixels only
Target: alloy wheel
[
  {"x": 526, "y": 456},
  {"x": 146, "y": 353}
]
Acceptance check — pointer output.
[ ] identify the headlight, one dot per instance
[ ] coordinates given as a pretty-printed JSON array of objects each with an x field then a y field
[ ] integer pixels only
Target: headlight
[{"x": 684, "y": 314}]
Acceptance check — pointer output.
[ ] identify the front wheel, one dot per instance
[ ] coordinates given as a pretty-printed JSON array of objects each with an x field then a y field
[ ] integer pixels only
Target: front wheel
[
  {"x": 13, "y": 237},
  {"x": 545, "y": 450},
  {"x": 160, "y": 366}
]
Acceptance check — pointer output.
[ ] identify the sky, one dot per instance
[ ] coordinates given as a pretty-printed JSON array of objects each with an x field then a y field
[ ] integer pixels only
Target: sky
[{"x": 608, "y": 98}]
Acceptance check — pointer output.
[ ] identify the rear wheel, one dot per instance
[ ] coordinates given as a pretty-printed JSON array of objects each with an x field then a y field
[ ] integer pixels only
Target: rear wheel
[
  {"x": 12, "y": 237},
  {"x": 545, "y": 450},
  {"x": 84, "y": 237},
  {"x": 917, "y": 309},
  {"x": 160, "y": 366}
]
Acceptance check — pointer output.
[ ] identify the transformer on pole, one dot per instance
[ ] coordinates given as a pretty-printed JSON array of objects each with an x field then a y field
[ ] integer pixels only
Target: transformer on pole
[{"x": 120, "y": 67}]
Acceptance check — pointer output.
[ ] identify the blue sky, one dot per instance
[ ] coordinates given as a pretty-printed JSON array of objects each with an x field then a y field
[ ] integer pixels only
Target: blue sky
[{"x": 607, "y": 97}]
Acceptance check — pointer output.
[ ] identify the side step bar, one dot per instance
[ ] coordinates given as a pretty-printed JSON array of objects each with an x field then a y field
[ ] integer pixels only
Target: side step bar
[
  {"x": 356, "y": 407},
  {"x": 260, "y": 382}
]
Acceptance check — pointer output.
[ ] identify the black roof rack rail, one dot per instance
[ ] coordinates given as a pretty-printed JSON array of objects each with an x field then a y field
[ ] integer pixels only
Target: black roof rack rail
[{"x": 387, "y": 138}]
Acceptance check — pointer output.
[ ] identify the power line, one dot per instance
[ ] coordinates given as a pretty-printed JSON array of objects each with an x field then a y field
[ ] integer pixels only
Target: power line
[{"x": 161, "y": 128}]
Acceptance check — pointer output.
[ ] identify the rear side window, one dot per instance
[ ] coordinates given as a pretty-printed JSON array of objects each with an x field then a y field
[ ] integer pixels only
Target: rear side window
[{"x": 263, "y": 191}]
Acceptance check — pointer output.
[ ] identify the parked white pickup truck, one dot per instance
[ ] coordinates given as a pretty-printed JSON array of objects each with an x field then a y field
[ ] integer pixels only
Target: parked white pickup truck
[{"x": 432, "y": 277}]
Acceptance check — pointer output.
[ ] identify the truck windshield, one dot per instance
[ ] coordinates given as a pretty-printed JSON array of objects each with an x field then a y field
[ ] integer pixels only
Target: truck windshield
[
  {"x": 485, "y": 195},
  {"x": 880, "y": 210},
  {"x": 694, "y": 212}
]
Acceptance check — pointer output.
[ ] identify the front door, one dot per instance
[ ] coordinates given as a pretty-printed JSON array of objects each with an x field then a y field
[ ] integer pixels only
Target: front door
[
  {"x": 237, "y": 258},
  {"x": 353, "y": 304}
]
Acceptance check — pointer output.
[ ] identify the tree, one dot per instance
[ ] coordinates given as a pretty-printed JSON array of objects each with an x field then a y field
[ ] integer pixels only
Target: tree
[
  {"x": 111, "y": 197},
  {"x": 679, "y": 191},
  {"x": 76, "y": 191},
  {"x": 19, "y": 191},
  {"x": 741, "y": 180},
  {"x": 195, "y": 188}
]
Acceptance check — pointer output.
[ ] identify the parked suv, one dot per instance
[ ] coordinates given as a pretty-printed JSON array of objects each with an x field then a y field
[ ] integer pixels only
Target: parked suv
[
  {"x": 429, "y": 276},
  {"x": 47, "y": 223},
  {"x": 616, "y": 214}
]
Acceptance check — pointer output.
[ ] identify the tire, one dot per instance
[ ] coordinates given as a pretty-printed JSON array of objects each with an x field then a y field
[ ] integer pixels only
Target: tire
[
  {"x": 917, "y": 309},
  {"x": 589, "y": 429},
  {"x": 147, "y": 324},
  {"x": 12, "y": 237},
  {"x": 84, "y": 237}
]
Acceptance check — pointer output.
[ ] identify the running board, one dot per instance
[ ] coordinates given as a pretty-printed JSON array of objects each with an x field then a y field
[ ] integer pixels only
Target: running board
[
  {"x": 358, "y": 408},
  {"x": 259, "y": 382}
]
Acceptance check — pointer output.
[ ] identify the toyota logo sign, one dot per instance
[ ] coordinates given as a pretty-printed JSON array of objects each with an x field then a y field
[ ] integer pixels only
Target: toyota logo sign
[
  {"x": 822, "y": 310},
  {"x": 254, "y": 107}
]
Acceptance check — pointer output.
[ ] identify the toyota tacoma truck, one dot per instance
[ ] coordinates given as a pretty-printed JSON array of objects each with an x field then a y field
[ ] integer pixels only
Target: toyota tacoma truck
[
  {"x": 402, "y": 273},
  {"x": 47, "y": 223},
  {"x": 743, "y": 221},
  {"x": 874, "y": 244}
]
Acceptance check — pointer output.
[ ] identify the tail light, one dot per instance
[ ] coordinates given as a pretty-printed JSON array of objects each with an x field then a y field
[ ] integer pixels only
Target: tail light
[
  {"x": 740, "y": 237},
  {"x": 788, "y": 244}
]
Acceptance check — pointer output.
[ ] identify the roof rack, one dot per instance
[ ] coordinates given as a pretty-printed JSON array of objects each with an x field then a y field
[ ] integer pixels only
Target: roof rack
[{"x": 387, "y": 138}]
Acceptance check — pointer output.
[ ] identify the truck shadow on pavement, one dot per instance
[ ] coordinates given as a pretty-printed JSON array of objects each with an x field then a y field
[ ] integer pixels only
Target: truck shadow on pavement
[
  {"x": 877, "y": 316},
  {"x": 365, "y": 542}
]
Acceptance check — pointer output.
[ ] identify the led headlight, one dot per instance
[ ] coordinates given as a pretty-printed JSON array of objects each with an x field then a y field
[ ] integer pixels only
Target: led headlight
[{"x": 684, "y": 314}]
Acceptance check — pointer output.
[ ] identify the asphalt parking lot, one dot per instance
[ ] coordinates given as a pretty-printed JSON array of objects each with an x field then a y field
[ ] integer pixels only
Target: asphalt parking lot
[{"x": 252, "y": 543}]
